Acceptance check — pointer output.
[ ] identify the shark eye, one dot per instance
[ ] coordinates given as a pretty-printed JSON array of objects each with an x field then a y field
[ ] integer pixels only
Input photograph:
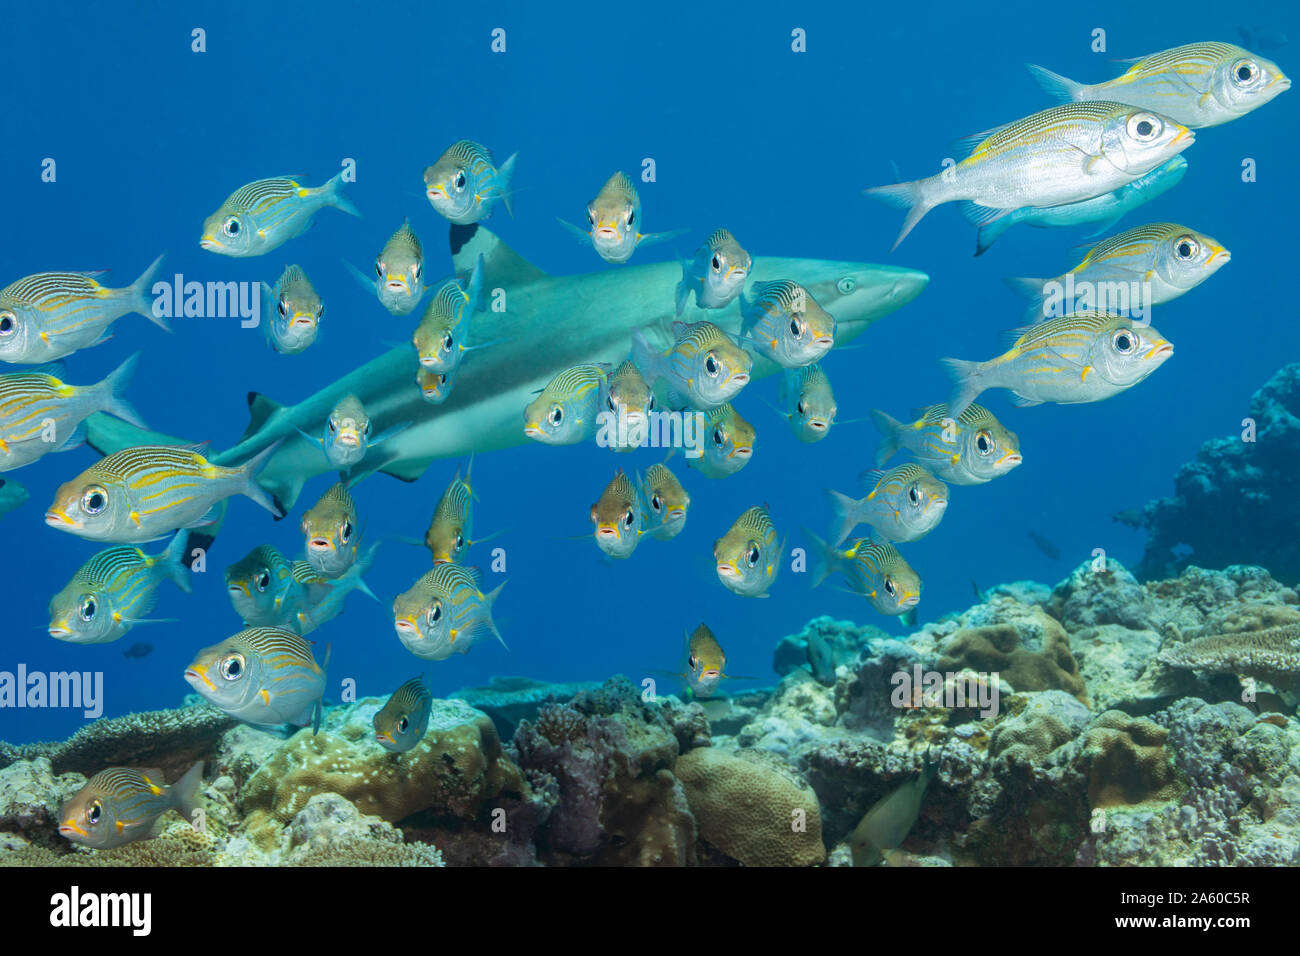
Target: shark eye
[
  {"x": 435, "y": 613},
  {"x": 753, "y": 554},
  {"x": 711, "y": 364},
  {"x": 1124, "y": 342},
  {"x": 94, "y": 500},
  {"x": 1243, "y": 71},
  {"x": 8, "y": 323},
  {"x": 556, "y": 416},
  {"x": 846, "y": 285},
  {"x": 379, "y": 268},
  {"x": 656, "y": 503},
  {"x": 460, "y": 179},
  {"x": 94, "y": 813},
  {"x": 232, "y": 667},
  {"x": 345, "y": 533},
  {"x": 231, "y": 226},
  {"x": 716, "y": 263},
  {"x": 1187, "y": 248},
  {"x": 88, "y": 609},
  {"x": 284, "y": 307},
  {"x": 262, "y": 581},
  {"x": 403, "y": 724},
  {"x": 984, "y": 442}
]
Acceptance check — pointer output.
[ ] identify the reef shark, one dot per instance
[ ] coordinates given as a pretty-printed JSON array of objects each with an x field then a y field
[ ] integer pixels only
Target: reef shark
[{"x": 549, "y": 323}]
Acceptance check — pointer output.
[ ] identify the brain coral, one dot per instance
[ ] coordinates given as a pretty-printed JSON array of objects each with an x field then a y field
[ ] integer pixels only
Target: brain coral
[
  {"x": 999, "y": 648},
  {"x": 747, "y": 809},
  {"x": 1127, "y": 762}
]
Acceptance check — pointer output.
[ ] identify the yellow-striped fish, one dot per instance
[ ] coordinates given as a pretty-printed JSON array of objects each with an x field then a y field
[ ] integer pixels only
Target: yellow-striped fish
[
  {"x": 399, "y": 272},
  {"x": 330, "y": 527},
  {"x": 1127, "y": 274},
  {"x": 445, "y": 612},
  {"x": 463, "y": 184},
  {"x": 268, "y": 590},
  {"x": 121, "y": 804},
  {"x": 40, "y": 412},
  {"x": 565, "y": 411},
  {"x": 716, "y": 274},
  {"x": 142, "y": 493},
  {"x": 296, "y": 311},
  {"x": 629, "y": 402},
  {"x": 747, "y": 556},
  {"x": 1199, "y": 84},
  {"x": 435, "y": 387},
  {"x": 618, "y": 518},
  {"x": 703, "y": 368},
  {"x": 905, "y": 504},
  {"x": 785, "y": 323},
  {"x": 614, "y": 219},
  {"x": 809, "y": 403},
  {"x": 267, "y": 213},
  {"x": 349, "y": 433},
  {"x": 664, "y": 502},
  {"x": 440, "y": 338},
  {"x": 874, "y": 570},
  {"x": 45, "y": 316},
  {"x": 114, "y": 590},
  {"x": 1085, "y": 357},
  {"x": 1065, "y": 154},
  {"x": 706, "y": 662},
  {"x": 265, "y": 676},
  {"x": 728, "y": 443},
  {"x": 448, "y": 537},
  {"x": 400, "y": 724},
  {"x": 965, "y": 449}
]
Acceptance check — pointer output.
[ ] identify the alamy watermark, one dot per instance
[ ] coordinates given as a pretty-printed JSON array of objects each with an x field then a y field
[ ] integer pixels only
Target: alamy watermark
[
  {"x": 922, "y": 688},
  {"x": 208, "y": 300},
  {"x": 652, "y": 430},
  {"x": 56, "y": 689},
  {"x": 1129, "y": 299}
]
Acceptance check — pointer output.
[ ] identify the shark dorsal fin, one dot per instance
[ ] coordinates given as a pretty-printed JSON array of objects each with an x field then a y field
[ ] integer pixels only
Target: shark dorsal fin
[
  {"x": 260, "y": 408},
  {"x": 501, "y": 264}
]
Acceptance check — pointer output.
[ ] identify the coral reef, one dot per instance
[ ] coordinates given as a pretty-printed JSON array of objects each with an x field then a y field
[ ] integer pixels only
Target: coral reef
[
  {"x": 508, "y": 700},
  {"x": 1235, "y": 501}
]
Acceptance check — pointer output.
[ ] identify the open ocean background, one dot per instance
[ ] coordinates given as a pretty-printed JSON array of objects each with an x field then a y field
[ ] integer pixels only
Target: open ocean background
[{"x": 149, "y": 138}]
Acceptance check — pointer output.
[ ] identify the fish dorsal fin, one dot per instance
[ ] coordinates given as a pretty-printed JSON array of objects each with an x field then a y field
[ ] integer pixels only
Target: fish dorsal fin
[
  {"x": 260, "y": 409},
  {"x": 501, "y": 264}
]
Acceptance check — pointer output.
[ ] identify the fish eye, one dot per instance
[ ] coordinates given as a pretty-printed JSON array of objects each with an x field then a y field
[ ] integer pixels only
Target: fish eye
[
  {"x": 284, "y": 307},
  {"x": 434, "y": 614},
  {"x": 415, "y": 271},
  {"x": 334, "y": 426},
  {"x": 719, "y": 437},
  {"x": 846, "y": 285},
  {"x": 1124, "y": 341},
  {"x": 379, "y": 268},
  {"x": 984, "y": 442},
  {"x": 369, "y": 428},
  {"x": 613, "y": 405},
  {"x": 556, "y": 415},
  {"x": 447, "y": 342},
  {"x": 656, "y": 503},
  {"x": 460, "y": 541},
  {"x": 263, "y": 581},
  {"x": 651, "y": 406},
  {"x": 716, "y": 263},
  {"x": 797, "y": 327},
  {"x": 1144, "y": 127},
  {"x": 88, "y": 609},
  {"x": 1243, "y": 71},
  {"x": 889, "y": 586},
  {"x": 801, "y": 408},
  {"x": 232, "y": 667},
  {"x": 345, "y": 533},
  {"x": 1187, "y": 248},
  {"x": 591, "y": 215},
  {"x": 403, "y": 724},
  {"x": 913, "y": 495},
  {"x": 711, "y": 364},
  {"x": 8, "y": 322},
  {"x": 460, "y": 179},
  {"x": 693, "y": 662},
  {"x": 231, "y": 226},
  {"x": 94, "y": 500},
  {"x": 321, "y": 311},
  {"x": 631, "y": 216},
  {"x": 94, "y": 813},
  {"x": 628, "y": 518},
  {"x": 753, "y": 554}
]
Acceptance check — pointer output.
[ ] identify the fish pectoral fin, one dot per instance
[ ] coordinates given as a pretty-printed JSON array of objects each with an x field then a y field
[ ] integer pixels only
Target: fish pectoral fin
[{"x": 1021, "y": 401}]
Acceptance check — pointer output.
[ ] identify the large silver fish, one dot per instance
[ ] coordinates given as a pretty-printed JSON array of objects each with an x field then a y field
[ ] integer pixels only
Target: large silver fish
[{"x": 551, "y": 323}]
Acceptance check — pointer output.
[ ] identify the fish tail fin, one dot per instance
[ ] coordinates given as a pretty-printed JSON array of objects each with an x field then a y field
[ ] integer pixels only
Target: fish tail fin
[
  {"x": 1030, "y": 290},
  {"x": 185, "y": 792},
  {"x": 251, "y": 488},
  {"x": 491, "y": 598},
  {"x": 910, "y": 196},
  {"x": 890, "y": 429},
  {"x": 844, "y": 510},
  {"x": 333, "y": 194},
  {"x": 967, "y": 380},
  {"x": 142, "y": 295},
  {"x": 115, "y": 401},
  {"x": 360, "y": 567},
  {"x": 474, "y": 290},
  {"x": 825, "y": 558},
  {"x": 174, "y": 563},
  {"x": 645, "y": 357},
  {"x": 504, "y": 175},
  {"x": 683, "y": 289},
  {"x": 1058, "y": 87},
  {"x": 989, "y": 233}
]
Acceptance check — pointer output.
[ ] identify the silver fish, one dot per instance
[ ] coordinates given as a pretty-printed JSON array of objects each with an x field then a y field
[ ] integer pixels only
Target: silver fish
[
  {"x": 267, "y": 213},
  {"x": 296, "y": 312},
  {"x": 121, "y": 805},
  {"x": 463, "y": 185},
  {"x": 614, "y": 219},
  {"x": 716, "y": 274},
  {"x": 444, "y": 613},
  {"x": 265, "y": 676},
  {"x": 400, "y": 724}
]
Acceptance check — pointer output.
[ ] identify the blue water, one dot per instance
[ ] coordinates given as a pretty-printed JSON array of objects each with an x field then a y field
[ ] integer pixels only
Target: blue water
[{"x": 149, "y": 138}]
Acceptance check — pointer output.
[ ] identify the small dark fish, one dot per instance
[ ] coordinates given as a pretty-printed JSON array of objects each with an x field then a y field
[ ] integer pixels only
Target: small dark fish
[
  {"x": 979, "y": 595},
  {"x": 1045, "y": 546},
  {"x": 138, "y": 650},
  {"x": 821, "y": 660},
  {"x": 1130, "y": 517}
]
